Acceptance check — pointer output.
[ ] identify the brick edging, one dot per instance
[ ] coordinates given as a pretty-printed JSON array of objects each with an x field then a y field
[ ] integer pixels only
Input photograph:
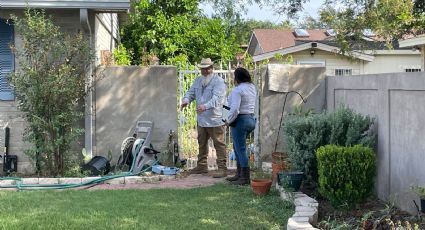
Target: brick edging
[
  {"x": 77, "y": 180},
  {"x": 306, "y": 210}
]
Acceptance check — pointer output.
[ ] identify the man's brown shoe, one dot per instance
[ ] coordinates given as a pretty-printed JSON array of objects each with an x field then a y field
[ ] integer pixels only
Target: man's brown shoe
[
  {"x": 219, "y": 174},
  {"x": 199, "y": 170}
]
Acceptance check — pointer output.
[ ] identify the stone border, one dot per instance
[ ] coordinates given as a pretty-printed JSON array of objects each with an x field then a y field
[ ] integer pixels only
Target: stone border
[
  {"x": 306, "y": 210},
  {"x": 149, "y": 178}
]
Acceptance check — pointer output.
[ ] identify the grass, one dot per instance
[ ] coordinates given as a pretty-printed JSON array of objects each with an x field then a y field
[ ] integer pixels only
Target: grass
[{"x": 216, "y": 207}]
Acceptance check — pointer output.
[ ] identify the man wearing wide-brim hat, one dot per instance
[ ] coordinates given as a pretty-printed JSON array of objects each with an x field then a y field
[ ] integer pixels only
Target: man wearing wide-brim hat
[{"x": 209, "y": 92}]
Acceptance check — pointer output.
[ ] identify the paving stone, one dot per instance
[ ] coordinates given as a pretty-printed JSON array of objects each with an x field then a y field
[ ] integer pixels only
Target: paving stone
[
  {"x": 119, "y": 180},
  {"x": 133, "y": 180},
  {"x": 304, "y": 201},
  {"x": 167, "y": 177},
  {"x": 305, "y": 209},
  {"x": 70, "y": 180},
  {"x": 293, "y": 224},
  {"x": 89, "y": 179},
  {"x": 29, "y": 180},
  {"x": 7, "y": 182},
  {"x": 48, "y": 180}
]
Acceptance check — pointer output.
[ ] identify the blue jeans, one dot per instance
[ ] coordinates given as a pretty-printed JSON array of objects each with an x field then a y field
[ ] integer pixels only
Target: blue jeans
[{"x": 244, "y": 124}]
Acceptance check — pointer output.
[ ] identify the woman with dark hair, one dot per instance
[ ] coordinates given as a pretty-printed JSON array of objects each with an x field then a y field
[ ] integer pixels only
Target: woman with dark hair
[{"x": 242, "y": 121}]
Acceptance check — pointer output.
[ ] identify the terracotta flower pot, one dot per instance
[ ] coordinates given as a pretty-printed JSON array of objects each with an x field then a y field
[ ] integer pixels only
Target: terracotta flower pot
[
  {"x": 278, "y": 163},
  {"x": 261, "y": 186}
]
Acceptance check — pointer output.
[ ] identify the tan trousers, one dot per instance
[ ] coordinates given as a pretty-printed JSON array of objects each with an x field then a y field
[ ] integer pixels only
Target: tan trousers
[{"x": 217, "y": 135}]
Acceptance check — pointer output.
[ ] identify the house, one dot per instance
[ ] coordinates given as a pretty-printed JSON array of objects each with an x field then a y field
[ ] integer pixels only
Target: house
[
  {"x": 316, "y": 47},
  {"x": 99, "y": 19},
  {"x": 417, "y": 42}
]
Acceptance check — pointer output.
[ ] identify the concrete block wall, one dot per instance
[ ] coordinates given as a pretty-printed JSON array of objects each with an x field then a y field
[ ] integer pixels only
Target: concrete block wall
[
  {"x": 397, "y": 101},
  {"x": 125, "y": 95}
]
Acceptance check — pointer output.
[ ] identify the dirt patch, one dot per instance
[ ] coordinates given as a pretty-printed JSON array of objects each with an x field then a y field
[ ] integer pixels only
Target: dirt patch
[
  {"x": 369, "y": 215},
  {"x": 191, "y": 181}
]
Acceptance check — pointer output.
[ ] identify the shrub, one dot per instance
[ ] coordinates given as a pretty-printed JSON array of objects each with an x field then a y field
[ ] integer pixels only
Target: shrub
[
  {"x": 305, "y": 133},
  {"x": 345, "y": 173},
  {"x": 50, "y": 85}
]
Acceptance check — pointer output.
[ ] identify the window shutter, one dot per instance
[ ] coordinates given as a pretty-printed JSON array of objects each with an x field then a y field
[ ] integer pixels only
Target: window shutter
[{"x": 6, "y": 60}]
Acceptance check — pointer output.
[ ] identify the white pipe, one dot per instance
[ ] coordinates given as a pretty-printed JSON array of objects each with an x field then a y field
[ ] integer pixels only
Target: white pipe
[{"x": 85, "y": 23}]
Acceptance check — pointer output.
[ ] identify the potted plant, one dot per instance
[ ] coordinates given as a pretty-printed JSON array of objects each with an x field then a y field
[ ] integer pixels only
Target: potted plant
[
  {"x": 291, "y": 179},
  {"x": 420, "y": 191},
  {"x": 261, "y": 182}
]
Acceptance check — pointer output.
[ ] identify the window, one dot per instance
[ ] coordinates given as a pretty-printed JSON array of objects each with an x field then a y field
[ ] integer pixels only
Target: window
[
  {"x": 412, "y": 70},
  {"x": 343, "y": 72},
  {"x": 315, "y": 63},
  {"x": 7, "y": 60}
]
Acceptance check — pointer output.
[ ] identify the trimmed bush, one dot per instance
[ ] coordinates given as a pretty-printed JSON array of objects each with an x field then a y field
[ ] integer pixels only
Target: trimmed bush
[
  {"x": 305, "y": 133},
  {"x": 346, "y": 174}
]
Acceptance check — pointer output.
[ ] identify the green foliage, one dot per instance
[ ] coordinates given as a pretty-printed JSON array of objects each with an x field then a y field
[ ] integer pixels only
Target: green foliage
[
  {"x": 122, "y": 56},
  {"x": 169, "y": 29},
  {"x": 419, "y": 190},
  {"x": 50, "y": 86},
  {"x": 390, "y": 20},
  {"x": 305, "y": 132},
  {"x": 346, "y": 174}
]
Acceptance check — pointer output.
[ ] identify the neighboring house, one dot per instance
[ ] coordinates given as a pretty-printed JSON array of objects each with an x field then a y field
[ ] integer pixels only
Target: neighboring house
[
  {"x": 417, "y": 42},
  {"x": 99, "y": 19},
  {"x": 316, "y": 47}
]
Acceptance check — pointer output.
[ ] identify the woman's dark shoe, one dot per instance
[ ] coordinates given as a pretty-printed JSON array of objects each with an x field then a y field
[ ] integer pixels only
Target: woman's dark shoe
[{"x": 244, "y": 177}]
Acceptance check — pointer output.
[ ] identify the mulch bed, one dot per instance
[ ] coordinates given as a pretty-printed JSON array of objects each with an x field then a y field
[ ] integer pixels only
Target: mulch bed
[{"x": 369, "y": 215}]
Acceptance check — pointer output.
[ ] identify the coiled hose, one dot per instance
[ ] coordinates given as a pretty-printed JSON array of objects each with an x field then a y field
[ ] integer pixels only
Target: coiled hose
[{"x": 20, "y": 186}]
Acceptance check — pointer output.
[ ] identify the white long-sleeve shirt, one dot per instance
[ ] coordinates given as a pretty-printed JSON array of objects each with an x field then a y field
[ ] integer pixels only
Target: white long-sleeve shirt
[
  {"x": 212, "y": 94},
  {"x": 241, "y": 101}
]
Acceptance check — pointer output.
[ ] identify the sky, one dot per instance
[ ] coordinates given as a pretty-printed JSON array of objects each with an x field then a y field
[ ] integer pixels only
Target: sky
[{"x": 254, "y": 11}]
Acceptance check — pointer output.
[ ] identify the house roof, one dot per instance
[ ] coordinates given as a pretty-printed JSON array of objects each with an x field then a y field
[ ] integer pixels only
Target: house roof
[
  {"x": 272, "y": 39},
  {"x": 312, "y": 45},
  {"x": 414, "y": 41},
  {"x": 99, "y": 5}
]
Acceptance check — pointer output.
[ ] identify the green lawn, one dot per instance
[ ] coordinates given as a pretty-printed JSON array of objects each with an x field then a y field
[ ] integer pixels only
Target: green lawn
[{"x": 216, "y": 207}]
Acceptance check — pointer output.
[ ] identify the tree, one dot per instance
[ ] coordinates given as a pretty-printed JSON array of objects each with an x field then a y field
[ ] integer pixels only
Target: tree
[
  {"x": 287, "y": 7},
  {"x": 389, "y": 20},
  {"x": 309, "y": 22},
  {"x": 50, "y": 85},
  {"x": 174, "y": 29}
]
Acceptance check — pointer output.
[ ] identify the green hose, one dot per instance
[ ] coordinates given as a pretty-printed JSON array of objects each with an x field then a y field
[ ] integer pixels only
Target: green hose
[{"x": 21, "y": 186}]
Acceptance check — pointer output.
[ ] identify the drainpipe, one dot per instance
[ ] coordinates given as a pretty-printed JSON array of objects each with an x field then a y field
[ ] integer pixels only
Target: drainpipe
[{"x": 88, "y": 123}]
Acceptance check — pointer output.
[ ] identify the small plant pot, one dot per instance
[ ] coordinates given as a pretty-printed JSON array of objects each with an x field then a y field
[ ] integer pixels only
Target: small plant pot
[
  {"x": 292, "y": 180},
  {"x": 261, "y": 186},
  {"x": 423, "y": 205}
]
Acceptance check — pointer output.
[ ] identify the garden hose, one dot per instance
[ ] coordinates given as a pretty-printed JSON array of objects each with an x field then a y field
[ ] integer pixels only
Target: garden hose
[{"x": 21, "y": 186}]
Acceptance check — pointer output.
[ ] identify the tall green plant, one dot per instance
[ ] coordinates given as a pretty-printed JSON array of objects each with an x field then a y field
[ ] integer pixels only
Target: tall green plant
[
  {"x": 50, "y": 86},
  {"x": 306, "y": 133}
]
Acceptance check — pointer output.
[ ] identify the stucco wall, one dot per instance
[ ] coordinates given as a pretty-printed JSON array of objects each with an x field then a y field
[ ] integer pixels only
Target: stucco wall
[
  {"x": 308, "y": 81},
  {"x": 397, "y": 101},
  {"x": 127, "y": 94}
]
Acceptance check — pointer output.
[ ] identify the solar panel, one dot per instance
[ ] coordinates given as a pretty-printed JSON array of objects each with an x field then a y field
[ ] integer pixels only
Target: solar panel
[
  {"x": 301, "y": 33},
  {"x": 331, "y": 32}
]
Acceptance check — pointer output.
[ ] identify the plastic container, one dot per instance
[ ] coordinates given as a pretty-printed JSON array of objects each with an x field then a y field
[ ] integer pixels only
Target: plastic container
[
  {"x": 163, "y": 170},
  {"x": 98, "y": 165}
]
